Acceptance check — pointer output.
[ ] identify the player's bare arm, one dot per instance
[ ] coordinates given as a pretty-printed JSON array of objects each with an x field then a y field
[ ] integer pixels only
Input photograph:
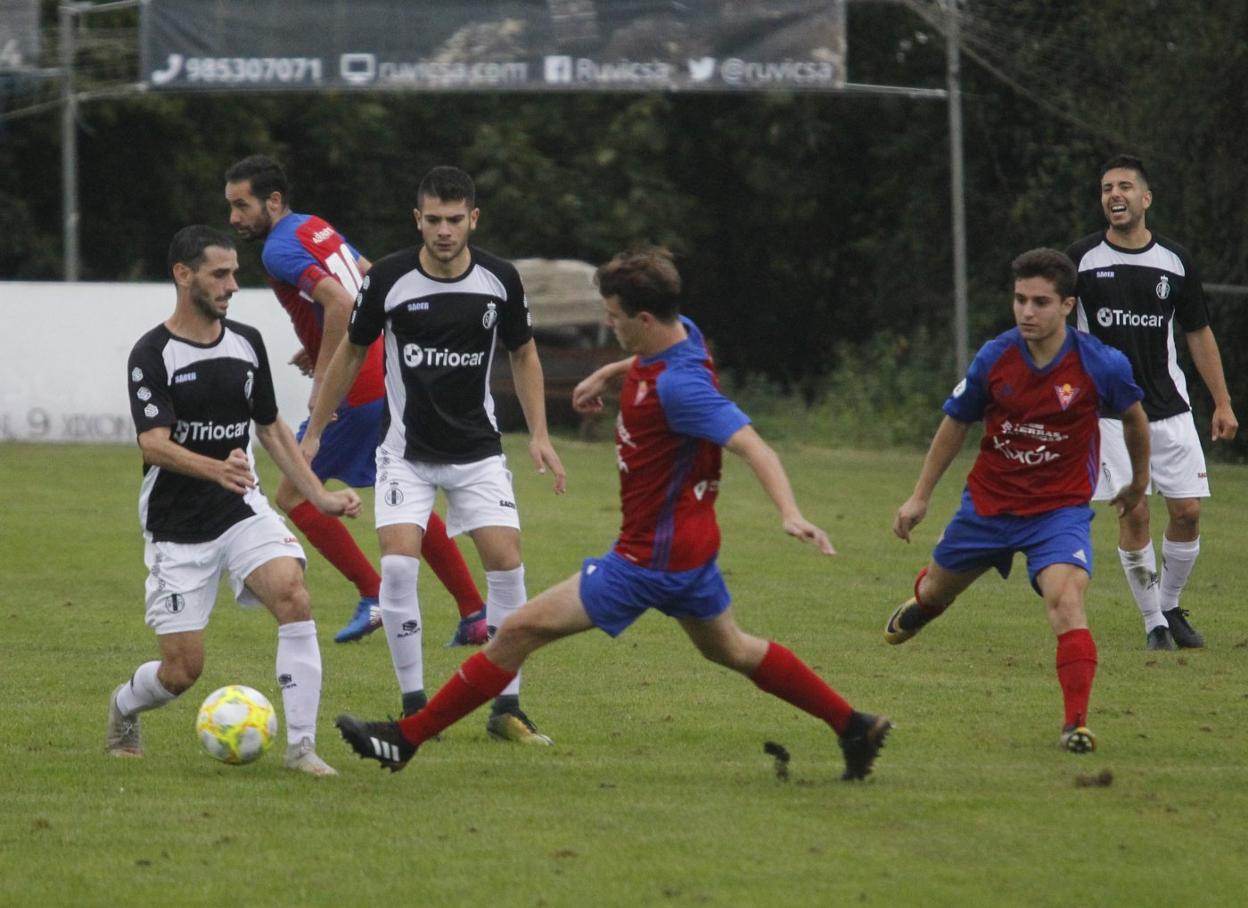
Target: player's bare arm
[
  {"x": 337, "y": 302},
  {"x": 946, "y": 444},
  {"x": 747, "y": 444},
  {"x": 1208, "y": 361},
  {"x": 160, "y": 450},
  {"x": 343, "y": 368},
  {"x": 280, "y": 442},
  {"x": 587, "y": 395},
  {"x": 1136, "y": 435},
  {"x": 526, "y": 372}
]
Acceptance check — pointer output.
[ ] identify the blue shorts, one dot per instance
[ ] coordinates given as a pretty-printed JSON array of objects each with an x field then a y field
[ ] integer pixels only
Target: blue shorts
[
  {"x": 616, "y": 593},
  {"x": 349, "y": 445},
  {"x": 1063, "y": 536}
]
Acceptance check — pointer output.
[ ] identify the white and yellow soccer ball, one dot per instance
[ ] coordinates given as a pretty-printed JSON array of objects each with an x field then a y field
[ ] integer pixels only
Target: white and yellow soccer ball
[{"x": 236, "y": 724}]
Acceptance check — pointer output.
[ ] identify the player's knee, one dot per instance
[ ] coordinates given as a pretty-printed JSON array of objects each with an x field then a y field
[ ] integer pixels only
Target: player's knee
[
  {"x": 732, "y": 651},
  {"x": 180, "y": 674},
  {"x": 1185, "y": 518},
  {"x": 399, "y": 574},
  {"x": 292, "y": 603}
]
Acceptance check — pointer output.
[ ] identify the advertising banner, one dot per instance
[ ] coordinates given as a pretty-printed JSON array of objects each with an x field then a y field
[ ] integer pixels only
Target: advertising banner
[{"x": 494, "y": 45}]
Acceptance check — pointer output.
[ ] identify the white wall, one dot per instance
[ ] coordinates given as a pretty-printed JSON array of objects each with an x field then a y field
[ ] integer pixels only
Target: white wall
[{"x": 63, "y": 352}]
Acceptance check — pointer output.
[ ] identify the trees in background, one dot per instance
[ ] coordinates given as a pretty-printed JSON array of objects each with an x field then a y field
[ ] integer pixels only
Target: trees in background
[{"x": 807, "y": 225}]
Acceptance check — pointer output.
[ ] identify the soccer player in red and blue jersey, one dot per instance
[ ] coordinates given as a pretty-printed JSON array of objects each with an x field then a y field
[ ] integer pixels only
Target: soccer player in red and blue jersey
[
  {"x": 316, "y": 274},
  {"x": 1039, "y": 388},
  {"x": 673, "y": 424}
]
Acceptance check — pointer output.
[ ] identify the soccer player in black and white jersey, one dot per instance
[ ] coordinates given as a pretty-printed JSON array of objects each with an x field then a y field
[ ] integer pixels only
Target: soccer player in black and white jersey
[
  {"x": 1133, "y": 286},
  {"x": 442, "y": 307},
  {"x": 197, "y": 382}
]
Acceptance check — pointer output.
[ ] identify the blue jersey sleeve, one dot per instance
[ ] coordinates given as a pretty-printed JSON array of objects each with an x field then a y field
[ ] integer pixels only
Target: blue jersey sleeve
[
  {"x": 285, "y": 259},
  {"x": 1111, "y": 371},
  {"x": 695, "y": 407},
  {"x": 969, "y": 398}
]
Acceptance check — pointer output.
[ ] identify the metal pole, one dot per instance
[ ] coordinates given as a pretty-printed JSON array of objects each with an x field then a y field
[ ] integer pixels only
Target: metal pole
[
  {"x": 953, "y": 74},
  {"x": 69, "y": 143}
]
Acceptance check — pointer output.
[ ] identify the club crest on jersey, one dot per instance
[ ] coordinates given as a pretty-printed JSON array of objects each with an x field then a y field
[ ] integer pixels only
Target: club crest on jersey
[
  {"x": 249, "y": 384},
  {"x": 490, "y": 317},
  {"x": 1066, "y": 394},
  {"x": 642, "y": 390},
  {"x": 1163, "y": 287}
]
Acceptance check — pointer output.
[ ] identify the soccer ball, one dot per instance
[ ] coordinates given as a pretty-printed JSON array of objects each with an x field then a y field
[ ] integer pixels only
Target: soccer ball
[{"x": 236, "y": 724}]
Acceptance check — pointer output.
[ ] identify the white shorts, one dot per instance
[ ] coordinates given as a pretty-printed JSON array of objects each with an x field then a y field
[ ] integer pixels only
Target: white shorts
[
  {"x": 1176, "y": 460},
  {"x": 478, "y": 494},
  {"x": 183, "y": 578}
]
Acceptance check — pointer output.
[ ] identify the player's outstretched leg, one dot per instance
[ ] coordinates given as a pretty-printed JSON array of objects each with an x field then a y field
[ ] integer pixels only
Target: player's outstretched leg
[
  {"x": 380, "y": 741},
  {"x": 392, "y": 744},
  {"x": 861, "y": 743}
]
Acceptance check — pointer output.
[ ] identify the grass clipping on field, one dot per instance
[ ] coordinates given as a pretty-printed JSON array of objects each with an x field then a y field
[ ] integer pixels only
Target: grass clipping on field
[{"x": 1102, "y": 779}]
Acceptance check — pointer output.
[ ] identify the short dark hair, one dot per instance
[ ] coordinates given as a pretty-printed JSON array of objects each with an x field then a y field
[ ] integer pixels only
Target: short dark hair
[
  {"x": 1050, "y": 264},
  {"x": 1125, "y": 162},
  {"x": 447, "y": 184},
  {"x": 189, "y": 243},
  {"x": 644, "y": 279},
  {"x": 265, "y": 175}
]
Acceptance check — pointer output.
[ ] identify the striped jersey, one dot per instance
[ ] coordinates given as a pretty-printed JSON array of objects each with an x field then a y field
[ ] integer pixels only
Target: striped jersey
[
  {"x": 1130, "y": 299},
  {"x": 301, "y": 251},
  {"x": 1041, "y": 447},
  {"x": 208, "y": 395},
  {"x": 440, "y": 335},
  {"x": 669, "y": 435}
]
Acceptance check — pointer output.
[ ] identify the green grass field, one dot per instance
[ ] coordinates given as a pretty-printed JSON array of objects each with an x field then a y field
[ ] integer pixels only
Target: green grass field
[{"x": 658, "y": 791}]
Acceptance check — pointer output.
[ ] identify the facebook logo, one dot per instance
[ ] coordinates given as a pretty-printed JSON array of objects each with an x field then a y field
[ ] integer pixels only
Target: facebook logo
[{"x": 558, "y": 69}]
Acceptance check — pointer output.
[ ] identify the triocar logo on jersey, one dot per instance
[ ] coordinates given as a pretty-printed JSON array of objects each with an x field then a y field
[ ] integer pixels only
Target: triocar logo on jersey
[
  {"x": 1163, "y": 287},
  {"x": 415, "y": 355},
  {"x": 1104, "y": 317}
]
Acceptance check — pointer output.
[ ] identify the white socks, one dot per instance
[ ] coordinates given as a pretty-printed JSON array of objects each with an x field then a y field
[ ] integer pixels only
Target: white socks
[
  {"x": 400, "y": 616},
  {"x": 1177, "y": 559},
  {"x": 504, "y": 595},
  {"x": 299, "y": 677},
  {"x": 144, "y": 691},
  {"x": 1141, "y": 570}
]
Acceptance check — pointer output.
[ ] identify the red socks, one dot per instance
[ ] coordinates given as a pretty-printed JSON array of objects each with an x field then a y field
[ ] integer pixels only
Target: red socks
[
  {"x": 1076, "y": 667},
  {"x": 442, "y": 555},
  {"x": 784, "y": 675},
  {"x": 333, "y": 540},
  {"x": 478, "y": 681}
]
